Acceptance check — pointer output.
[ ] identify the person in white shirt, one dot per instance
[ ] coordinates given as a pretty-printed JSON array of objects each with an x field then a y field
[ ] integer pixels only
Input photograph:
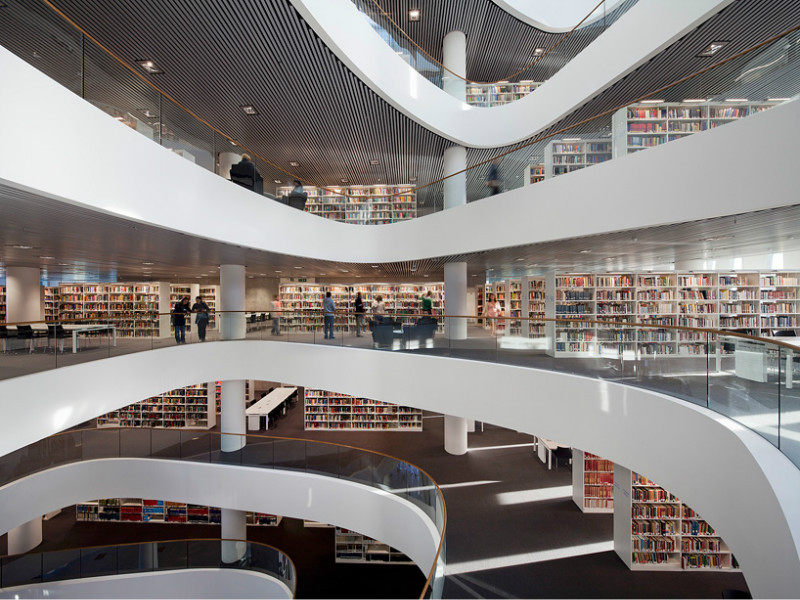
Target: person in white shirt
[{"x": 378, "y": 308}]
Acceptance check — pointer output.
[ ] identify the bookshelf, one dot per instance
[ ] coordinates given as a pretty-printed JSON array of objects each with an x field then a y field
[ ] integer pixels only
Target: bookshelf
[
  {"x": 535, "y": 305},
  {"x": 570, "y": 295},
  {"x": 573, "y": 154},
  {"x": 654, "y": 530},
  {"x": 138, "y": 510},
  {"x": 184, "y": 408},
  {"x": 210, "y": 294},
  {"x": 51, "y": 300},
  {"x": 2, "y": 304},
  {"x": 592, "y": 482},
  {"x": 496, "y": 94},
  {"x": 642, "y": 126},
  {"x": 353, "y": 547},
  {"x": 534, "y": 173},
  {"x": 361, "y": 204},
  {"x": 325, "y": 410}
]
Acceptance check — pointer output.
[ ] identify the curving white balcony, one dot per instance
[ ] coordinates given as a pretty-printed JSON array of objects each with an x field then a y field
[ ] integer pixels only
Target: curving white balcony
[
  {"x": 724, "y": 459},
  {"x": 554, "y": 16},
  {"x": 60, "y": 147},
  {"x": 641, "y": 33}
]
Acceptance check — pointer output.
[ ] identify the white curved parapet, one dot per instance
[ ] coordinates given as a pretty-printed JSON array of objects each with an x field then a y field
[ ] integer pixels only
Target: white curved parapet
[
  {"x": 714, "y": 461},
  {"x": 555, "y": 16},
  {"x": 369, "y": 510},
  {"x": 637, "y": 36},
  {"x": 184, "y": 583},
  {"x": 66, "y": 134}
]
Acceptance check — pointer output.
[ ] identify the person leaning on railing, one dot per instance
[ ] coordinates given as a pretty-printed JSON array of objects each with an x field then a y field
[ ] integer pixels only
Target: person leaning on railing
[
  {"x": 359, "y": 310},
  {"x": 179, "y": 312},
  {"x": 328, "y": 310},
  {"x": 491, "y": 311},
  {"x": 201, "y": 320}
]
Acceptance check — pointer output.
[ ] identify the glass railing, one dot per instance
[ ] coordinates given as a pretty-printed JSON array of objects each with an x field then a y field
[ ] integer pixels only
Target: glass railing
[
  {"x": 552, "y": 51},
  {"x": 753, "y": 380},
  {"x": 387, "y": 473},
  {"x": 718, "y": 92},
  {"x": 121, "y": 559}
]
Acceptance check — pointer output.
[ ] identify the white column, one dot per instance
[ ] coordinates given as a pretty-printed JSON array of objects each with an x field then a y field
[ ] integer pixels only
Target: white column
[
  {"x": 164, "y": 308},
  {"x": 455, "y": 299},
  {"x": 25, "y": 537},
  {"x": 232, "y": 327},
  {"x": 455, "y": 187},
  {"x": 454, "y": 52},
  {"x": 226, "y": 161},
  {"x": 234, "y": 527},
  {"x": 455, "y": 435},
  {"x": 23, "y": 294}
]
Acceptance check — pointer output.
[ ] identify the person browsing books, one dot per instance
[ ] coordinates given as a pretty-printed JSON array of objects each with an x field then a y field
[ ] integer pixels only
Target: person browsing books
[
  {"x": 179, "y": 312},
  {"x": 491, "y": 311},
  {"x": 359, "y": 310},
  {"x": 427, "y": 303},
  {"x": 277, "y": 307},
  {"x": 328, "y": 310},
  {"x": 200, "y": 308}
]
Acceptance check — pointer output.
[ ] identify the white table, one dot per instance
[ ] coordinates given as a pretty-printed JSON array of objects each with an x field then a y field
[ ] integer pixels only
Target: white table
[
  {"x": 266, "y": 405},
  {"x": 544, "y": 450},
  {"x": 75, "y": 330},
  {"x": 789, "y": 367}
]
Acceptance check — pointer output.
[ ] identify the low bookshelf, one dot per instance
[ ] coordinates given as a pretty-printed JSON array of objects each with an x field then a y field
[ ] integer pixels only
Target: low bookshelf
[
  {"x": 592, "y": 482},
  {"x": 191, "y": 407},
  {"x": 361, "y": 204},
  {"x": 573, "y": 154},
  {"x": 331, "y": 411},
  {"x": 353, "y": 547},
  {"x": 138, "y": 510}
]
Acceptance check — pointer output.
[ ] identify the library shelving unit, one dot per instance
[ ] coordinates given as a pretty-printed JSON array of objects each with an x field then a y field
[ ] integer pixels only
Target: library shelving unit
[
  {"x": 51, "y": 301},
  {"x": 184, "y": 408},
  {"x": 655, "y": 531},
  {"x": 138, "y": 510},
  {"x": 534, "y": 174},
  {"x": 210, "y": 294},
  {"x": 535, "y": 305},
  {"x": 495, "y": 94},
  {"x": 352, "y": 547},
  {"x": 361, "y": 204},
  {"x": 572, "y": 154},
  {"x": 514, "y": 307},
  {"x": 615, "y": 298},
  {"x": 325, "y": 410},
  {"x": 570, "y": 295},
  {"x": 779, "y": 301},
  {"x": 2, "y": 304},
  {"x": 646, "y": 125},
  {"x": 592, "y": 482},
  {"x": 656, "y": 302}
]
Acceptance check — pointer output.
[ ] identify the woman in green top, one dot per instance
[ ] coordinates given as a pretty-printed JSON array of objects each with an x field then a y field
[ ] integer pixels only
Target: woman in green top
[{"x": 427, "y": 303}]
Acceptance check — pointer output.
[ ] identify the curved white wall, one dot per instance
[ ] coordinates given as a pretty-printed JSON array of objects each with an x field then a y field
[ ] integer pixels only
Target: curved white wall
[
  {"x": 351, "y": 505},
  {"x": 555, "y": 16},
  {"x": 746, "y": 489},
  {"x": 190, "y": 583},
  {"x": 40, "y": 118},
  {"x": 638, "y": 35}
]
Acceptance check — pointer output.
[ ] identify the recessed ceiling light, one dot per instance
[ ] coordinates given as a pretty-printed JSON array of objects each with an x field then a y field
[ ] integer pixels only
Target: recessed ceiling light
[
  {"x": 778, "y": 99},
  {"x": 713, "y": 48},
  {"x": 344, "y": 180},
  {"x": 412, "y": 178},
  {"x": 63, "y": 264},
  {"x": 279, "y": 271},
  {"x": 294, "y": 163},
  {"x": 694, "y": 99},
  {"x": 298, "y": 267},
  {"x": 249, "y": 109},
  {"x": 148, "y": 65},
  {"x": 147, "y": 263},
  {"x": 374, "y": 266},
  {"x": 736, "y": 100},
  {"x": 249, "y": 277},
  {"x": 586, "y": 251},
  {"x": 374, "y": 162},
  {"x": 572, "y": 139},
  {"x": 149, "y": 113},
  {"x": 277, "y": 181},
  {"x": 652, "y": 101},
  {"x": 47, "y": 257},
  {"x": 21, "y": 246},
  {"x": 538, "y": 51},
  {"x": 413, "y": 14},
  {"x": 344, "y": 270}
]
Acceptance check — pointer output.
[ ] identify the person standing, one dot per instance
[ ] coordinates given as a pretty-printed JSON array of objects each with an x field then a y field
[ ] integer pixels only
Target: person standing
[
  {"x": 492, "y": 311},
  {"x": 359, "y": 310},
  {"x": 378, "y": 308},
  {"x": 277, "y": 307},
  {"x": 179, "y": 312},
  {"x": 427, "y": 303},
  {"x": 328, "y": 309},
  {"x": 200, "y": 308},
  {"x": 493, "y": 178}
]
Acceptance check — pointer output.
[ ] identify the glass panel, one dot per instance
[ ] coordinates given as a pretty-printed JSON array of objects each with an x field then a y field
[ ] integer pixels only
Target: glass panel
[
  {"x": 290, "y": 454},
  {"x": 186, "y": 136},
  {"x": 258, "y": 452},
  {"x": 323, "y": 458},
  {"x": 195, "y": 445},
  {"x": 204, "y": 553},
  {"x": 22, "y": 569},
  {"x": 390, "y": 474},
  {"x": 171, "y": 555},
  {"x": 166, "y": 443},
  {"x": 100, "y": 443},
  {"x": 357, "y": 465},
  {"x": 790, "y": 404},
  {"x": 134, "y": 442},
  {"x": 61, "y": 564},
  {"x": 134, "y": 558},
  {"x": 96, "y": 562}
]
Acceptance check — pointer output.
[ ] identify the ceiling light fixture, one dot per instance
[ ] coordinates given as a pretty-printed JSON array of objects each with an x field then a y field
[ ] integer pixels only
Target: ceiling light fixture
[
  {"x": 147, "y": 263},
  {"x": 374, "y": 162},
  {"x": 736, "y": 100},
  {"x": 654, "y": 101},
  {"x": 577, "y": 139},
  {"x": 414, "y": 14},
  {"x": 249, "y": 109},
  {"x": 149, "y": 114},
  {"x": 713, "y": 48},
  {"x": 294, "y": 163},
  {"x": 21, "y": 246},
  {"x": 778, "y": 99},
  {"x": 694, "y": 99},
  {"x": 412, "y": 178},
  {"x": 277, "y": 181},
  {"x": 279, "y": 271},
  {"x": 149, "y": 66},
  {"x": 344, "y": 180},
  {"x": 538, "y": 51},
  {"x": 298, "y": 267}
]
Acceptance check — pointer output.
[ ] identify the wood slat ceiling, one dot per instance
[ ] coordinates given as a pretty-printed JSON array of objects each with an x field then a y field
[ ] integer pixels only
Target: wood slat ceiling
[{"x": 220, "y": 54}]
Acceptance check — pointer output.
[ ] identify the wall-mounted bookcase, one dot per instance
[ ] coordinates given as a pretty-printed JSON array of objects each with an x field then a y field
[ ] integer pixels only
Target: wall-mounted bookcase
[
  {"x": 654, "y": 530},
  {"x": 138, "y": 510},
  {"x": 496, "y": 94},
  {"x": 641, "y": 126},
  {"x": 191, "y": 407},
  {"x": 592, "y": 482},
  {"x": 325, "y": 410},
  {"x": 534, "y": 173},
  {"x": 361, "y": 204},
  {"x": 565, "y": 156},
  {"x": 352, "y": 547}
]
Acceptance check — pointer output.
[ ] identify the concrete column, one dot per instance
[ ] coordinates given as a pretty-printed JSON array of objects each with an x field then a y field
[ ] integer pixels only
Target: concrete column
[
  {"x": 454, "y": 52},
  {"x": 455, "y": 187},
  {"x": 25, "y": 537},
  {"x": 455, "y": 435},
  {"x": 23, "y": 294},
  {"x": 455, "y": 299},
  {"x": 164, "y": 308},
  {"x": 234, "y": 527},
  {"x": 232, "y": 327}
]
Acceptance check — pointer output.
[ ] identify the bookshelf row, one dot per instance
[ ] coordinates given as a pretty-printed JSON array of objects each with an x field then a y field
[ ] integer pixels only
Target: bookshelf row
[
  {"x": 191, "y": 407},
  {"x": 2, "y": 304},
  {"x": 402, "y": 297},
  {"x": 372, "y": 204},
  {"x": 331, "y": 411},
  {"x": 353, "y": 547},
  {"x": 592, "y": 482},
  {"x": 138, "y": 510},
  {"x": 654, "y": 530},
  {"x": 572, "y": 154},
  {"x": 755, "y": 303},
  {"x": 523, "y": 297},
  {"x": 496, "y": 94}
]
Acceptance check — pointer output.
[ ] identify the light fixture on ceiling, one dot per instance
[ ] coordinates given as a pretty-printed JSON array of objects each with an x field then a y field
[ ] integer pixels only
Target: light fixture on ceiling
[
  {"x": 653, "y": 101},
  {"x": 294, "y": 163},
  {"x": 695, "y": 100},
  {"x": 344, "y": 270},
  {"x": 344, "y": 180},
  {"x": 586, "y": 251},
  {"x": 298, "y": 267},
  {"x": 249, "y": 109},
  {"x": 572, "y": 139},
  {"x": 249, "y": 277},
  {"x": 47, "y": 257},
  {"x": 414, "y": 14},
  {"x": 736, "y": 100},
  {"x": 538, "y": 51},
  {"x": 21, "y": 246},
  {"x": 147, "y": 263},
  {"x": 279, "y": 271},
  {"x": 148, "y": 65},
  {"x": 374, "y": 266},
  {"x": 412, "y": 178},
  {"x": 374, "y": 162},
  {"x": 277, "y": 181},
  {"x": 778, "y": 99},
  {"x": 713, "y": 48}
]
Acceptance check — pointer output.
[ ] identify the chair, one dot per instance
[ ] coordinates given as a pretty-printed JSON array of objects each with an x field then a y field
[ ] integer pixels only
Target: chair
[
  {"x": 5, "y": 335},
  {"x": 26, "y": 332},
  {"x": 382, "y": 332},
  {"x": 297, "y": 201},
  {"x": 58, "y": 333}
]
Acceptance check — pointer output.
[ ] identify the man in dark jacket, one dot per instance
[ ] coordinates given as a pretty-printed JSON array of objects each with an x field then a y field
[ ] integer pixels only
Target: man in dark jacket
[
  {"x": 179, "y": 312},
  {"x": 245, "y": 174}
]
